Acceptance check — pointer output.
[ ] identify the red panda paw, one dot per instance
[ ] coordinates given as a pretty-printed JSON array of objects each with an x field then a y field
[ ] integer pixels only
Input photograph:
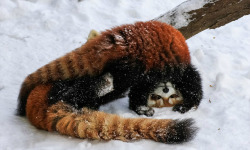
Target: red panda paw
[
  {"x": 144, "y": 110},
  {"x": 182, "y": 108}
]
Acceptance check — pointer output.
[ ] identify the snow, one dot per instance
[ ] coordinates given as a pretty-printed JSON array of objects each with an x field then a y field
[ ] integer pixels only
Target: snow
[{"x": 34, "y": 32}]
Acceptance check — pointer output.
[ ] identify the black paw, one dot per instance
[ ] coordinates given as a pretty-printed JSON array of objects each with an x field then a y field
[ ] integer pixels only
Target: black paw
[
  {"x": 144, "y": 110},
  {"x": 181, "y": 108}
]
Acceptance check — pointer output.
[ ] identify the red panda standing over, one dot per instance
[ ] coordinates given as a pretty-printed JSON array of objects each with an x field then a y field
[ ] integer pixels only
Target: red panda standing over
[{"x": 139, "y": 57}]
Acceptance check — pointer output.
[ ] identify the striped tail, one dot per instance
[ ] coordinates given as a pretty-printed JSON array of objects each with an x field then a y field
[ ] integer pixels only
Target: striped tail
[
  {"x": 69, "y": 66},
  {"x": 56, "y": 70},
  {"x": 80, "y": 62},
  {"x": 99, "y": 125}
]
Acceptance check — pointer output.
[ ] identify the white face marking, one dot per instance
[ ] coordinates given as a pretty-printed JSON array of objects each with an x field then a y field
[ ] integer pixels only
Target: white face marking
[
  {"x": 161, "y": 86},
  {"x": 159, "y": 91},
  {"x": 107, "y": 85},
  {"x": 171, "y": 101},
  {"x": 151, "y": 102},
  {"x": 161, "y": 102}
]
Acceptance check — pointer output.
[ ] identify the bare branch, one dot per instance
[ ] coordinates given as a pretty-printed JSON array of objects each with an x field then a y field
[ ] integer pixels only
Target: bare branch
[{"x": 194, "y": 16}]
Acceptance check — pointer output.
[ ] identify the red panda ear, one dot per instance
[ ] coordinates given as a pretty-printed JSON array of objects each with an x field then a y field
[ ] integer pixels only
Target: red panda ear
[{"x": 93, "y": 34}]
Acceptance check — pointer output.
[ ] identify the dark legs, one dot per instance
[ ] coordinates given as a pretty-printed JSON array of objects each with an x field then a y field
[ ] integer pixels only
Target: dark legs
[
  {"x": 190, "y": 88},
  {"x": 138, "y": 97}
]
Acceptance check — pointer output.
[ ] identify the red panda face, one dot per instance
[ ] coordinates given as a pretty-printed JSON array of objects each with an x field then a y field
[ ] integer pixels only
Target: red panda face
[{"x": 164, "y": 95}]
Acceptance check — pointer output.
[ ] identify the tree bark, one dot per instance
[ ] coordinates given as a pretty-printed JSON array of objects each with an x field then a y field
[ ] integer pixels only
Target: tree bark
[{"x": 194, "y": 16}]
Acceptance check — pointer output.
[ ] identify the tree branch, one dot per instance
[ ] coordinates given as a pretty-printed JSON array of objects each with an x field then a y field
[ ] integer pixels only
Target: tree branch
[{"x": 194, "y": 16}]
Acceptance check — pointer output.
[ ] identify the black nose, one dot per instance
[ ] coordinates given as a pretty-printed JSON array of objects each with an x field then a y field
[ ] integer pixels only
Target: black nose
[{"x": 165, "y": 90}]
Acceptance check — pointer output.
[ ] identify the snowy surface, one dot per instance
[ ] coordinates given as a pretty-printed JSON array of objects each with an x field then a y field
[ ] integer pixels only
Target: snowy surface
[{"x": 34, "y": 32}]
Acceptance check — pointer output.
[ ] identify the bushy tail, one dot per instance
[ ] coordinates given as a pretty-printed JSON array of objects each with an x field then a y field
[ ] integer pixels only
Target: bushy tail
[
  {"x": 99, "y": 125},
  {"x": 80, "y": 62},
  {"x": 69, "y": 66}
]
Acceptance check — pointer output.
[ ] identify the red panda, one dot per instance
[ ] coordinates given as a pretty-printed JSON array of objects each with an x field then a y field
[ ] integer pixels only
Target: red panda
[{"x": 139, "y": 57}]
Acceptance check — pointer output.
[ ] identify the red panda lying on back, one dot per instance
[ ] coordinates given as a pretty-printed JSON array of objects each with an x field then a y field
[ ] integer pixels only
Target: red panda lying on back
[{"x": 139, "y": 57}]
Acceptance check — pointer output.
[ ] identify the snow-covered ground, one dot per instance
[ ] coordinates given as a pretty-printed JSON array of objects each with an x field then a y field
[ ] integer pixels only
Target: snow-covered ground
[{"x": 34, "y": 32}]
